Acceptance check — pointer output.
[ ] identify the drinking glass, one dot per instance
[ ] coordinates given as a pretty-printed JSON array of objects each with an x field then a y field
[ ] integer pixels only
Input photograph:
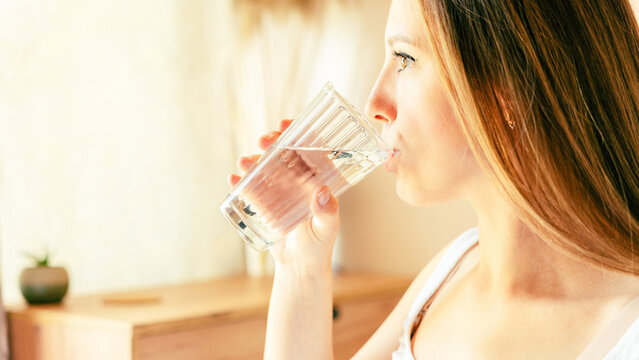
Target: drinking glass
[{"x": 330, "y": 144}]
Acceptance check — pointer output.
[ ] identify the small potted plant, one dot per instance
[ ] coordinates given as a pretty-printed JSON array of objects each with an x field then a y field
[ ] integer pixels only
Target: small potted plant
[{"x": 42, "y": 283}]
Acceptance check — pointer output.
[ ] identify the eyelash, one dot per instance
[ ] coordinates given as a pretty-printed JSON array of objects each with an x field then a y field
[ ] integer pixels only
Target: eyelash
[{"x": 405, "y": 59}]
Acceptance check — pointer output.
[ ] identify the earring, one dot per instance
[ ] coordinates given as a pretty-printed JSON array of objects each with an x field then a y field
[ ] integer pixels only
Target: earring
[{"x": 510, "y": 121}]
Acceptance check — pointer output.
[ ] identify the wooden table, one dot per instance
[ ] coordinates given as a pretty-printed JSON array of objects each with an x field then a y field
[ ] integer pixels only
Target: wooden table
[{"x": 217, "y": 319}]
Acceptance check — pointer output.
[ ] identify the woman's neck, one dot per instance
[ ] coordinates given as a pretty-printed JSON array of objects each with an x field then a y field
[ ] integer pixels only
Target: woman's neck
[{"x": 515, "y": 262}]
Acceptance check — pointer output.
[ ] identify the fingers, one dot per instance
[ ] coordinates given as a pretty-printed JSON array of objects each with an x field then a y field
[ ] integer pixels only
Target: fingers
[
  {"x": 233, "y": 179},
  {"x": 266, "y": 140},
  {"x": 244, "y": 163},
  {"x": 325, "y": 209},
  {"x": 284, "y": 124}
]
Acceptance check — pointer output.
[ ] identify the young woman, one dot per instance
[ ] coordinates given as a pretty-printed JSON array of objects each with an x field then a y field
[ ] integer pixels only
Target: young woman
[{"x": 529, "y": 109}]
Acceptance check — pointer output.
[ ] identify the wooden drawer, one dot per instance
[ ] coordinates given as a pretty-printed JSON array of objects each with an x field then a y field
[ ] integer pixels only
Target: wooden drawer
[
  {"x": 242, "y": 340},
  {"x": 355, "y": 322},
  {"x": 218, "y": 319},
  {"x": 45, "y": 338}
]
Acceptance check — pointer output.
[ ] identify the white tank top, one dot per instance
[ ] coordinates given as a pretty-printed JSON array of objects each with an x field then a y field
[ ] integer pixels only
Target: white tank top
[{"x": 618, "y": 341}]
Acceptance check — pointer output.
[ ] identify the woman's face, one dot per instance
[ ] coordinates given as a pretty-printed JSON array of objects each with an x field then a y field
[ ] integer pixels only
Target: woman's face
[{"x": 434, "y": 163}]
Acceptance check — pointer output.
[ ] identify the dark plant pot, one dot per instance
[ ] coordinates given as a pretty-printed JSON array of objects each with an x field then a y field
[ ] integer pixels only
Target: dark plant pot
[{"x": 43, "y": 284}]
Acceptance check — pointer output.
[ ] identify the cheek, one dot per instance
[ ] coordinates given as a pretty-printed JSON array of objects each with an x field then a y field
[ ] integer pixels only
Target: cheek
[
  {"x": 447, "y": 140},
  {"x": 435, "y": 133},
  {"x": 439, "y": 161}
]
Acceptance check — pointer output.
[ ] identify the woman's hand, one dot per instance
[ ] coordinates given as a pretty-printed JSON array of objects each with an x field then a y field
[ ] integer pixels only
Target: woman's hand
[{"x": 309, "y": 246}]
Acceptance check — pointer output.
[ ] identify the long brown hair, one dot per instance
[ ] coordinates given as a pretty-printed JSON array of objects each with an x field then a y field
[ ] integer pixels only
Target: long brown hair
[{"x": 567, "y": 73}]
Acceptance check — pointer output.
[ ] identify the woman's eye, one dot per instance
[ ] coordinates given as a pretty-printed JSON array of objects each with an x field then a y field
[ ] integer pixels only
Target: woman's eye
[{"x": 404, "y": 60}]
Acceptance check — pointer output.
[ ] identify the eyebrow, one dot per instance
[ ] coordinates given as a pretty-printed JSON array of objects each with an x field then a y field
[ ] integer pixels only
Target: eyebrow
[{"x": 400, "y": 38}]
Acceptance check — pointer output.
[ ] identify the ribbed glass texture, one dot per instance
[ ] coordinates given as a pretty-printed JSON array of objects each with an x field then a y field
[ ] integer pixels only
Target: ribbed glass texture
[{"x": 330, "y": 143}]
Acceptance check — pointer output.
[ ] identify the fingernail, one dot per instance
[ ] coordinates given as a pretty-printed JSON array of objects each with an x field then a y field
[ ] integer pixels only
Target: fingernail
[{"x": 323, "y": 197}]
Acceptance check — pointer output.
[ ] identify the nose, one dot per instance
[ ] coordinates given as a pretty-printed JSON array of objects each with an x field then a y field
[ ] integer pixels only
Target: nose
[{"x": 381, "y": 102}]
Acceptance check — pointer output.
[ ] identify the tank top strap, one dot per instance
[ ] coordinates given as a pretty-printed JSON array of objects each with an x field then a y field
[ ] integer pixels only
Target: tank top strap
[
  {"x": 449, "y": 261},
  {"x": 447, "y": 265}
]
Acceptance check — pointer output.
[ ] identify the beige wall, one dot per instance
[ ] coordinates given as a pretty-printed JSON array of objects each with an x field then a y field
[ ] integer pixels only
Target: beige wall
[{"x": 114, "y": 146}]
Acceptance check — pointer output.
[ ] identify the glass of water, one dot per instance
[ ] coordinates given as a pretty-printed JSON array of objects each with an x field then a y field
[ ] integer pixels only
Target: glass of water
[{"x": 330, "y": 144}]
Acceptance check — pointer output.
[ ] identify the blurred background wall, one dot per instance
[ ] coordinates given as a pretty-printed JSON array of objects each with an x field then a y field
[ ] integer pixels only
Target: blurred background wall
[
  {"x": 114, "y": 141},
  {"x": 120, "y": 120}
]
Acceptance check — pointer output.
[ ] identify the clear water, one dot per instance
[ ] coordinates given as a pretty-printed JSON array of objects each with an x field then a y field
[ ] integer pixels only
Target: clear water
[
  {"x": 277, "y": 197},
  {"x": 352, "y": 165}
]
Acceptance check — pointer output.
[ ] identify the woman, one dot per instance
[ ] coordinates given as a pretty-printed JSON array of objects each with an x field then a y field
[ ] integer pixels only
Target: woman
[{"x": 528, "y": 109}]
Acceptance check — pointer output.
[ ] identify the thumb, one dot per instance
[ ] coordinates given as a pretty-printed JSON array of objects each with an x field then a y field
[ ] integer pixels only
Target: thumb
[{"x": 325, "y": 209}]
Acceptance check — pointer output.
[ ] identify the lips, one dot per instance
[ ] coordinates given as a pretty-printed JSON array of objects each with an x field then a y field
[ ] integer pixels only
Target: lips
[{"x": 391, "y": 164}]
